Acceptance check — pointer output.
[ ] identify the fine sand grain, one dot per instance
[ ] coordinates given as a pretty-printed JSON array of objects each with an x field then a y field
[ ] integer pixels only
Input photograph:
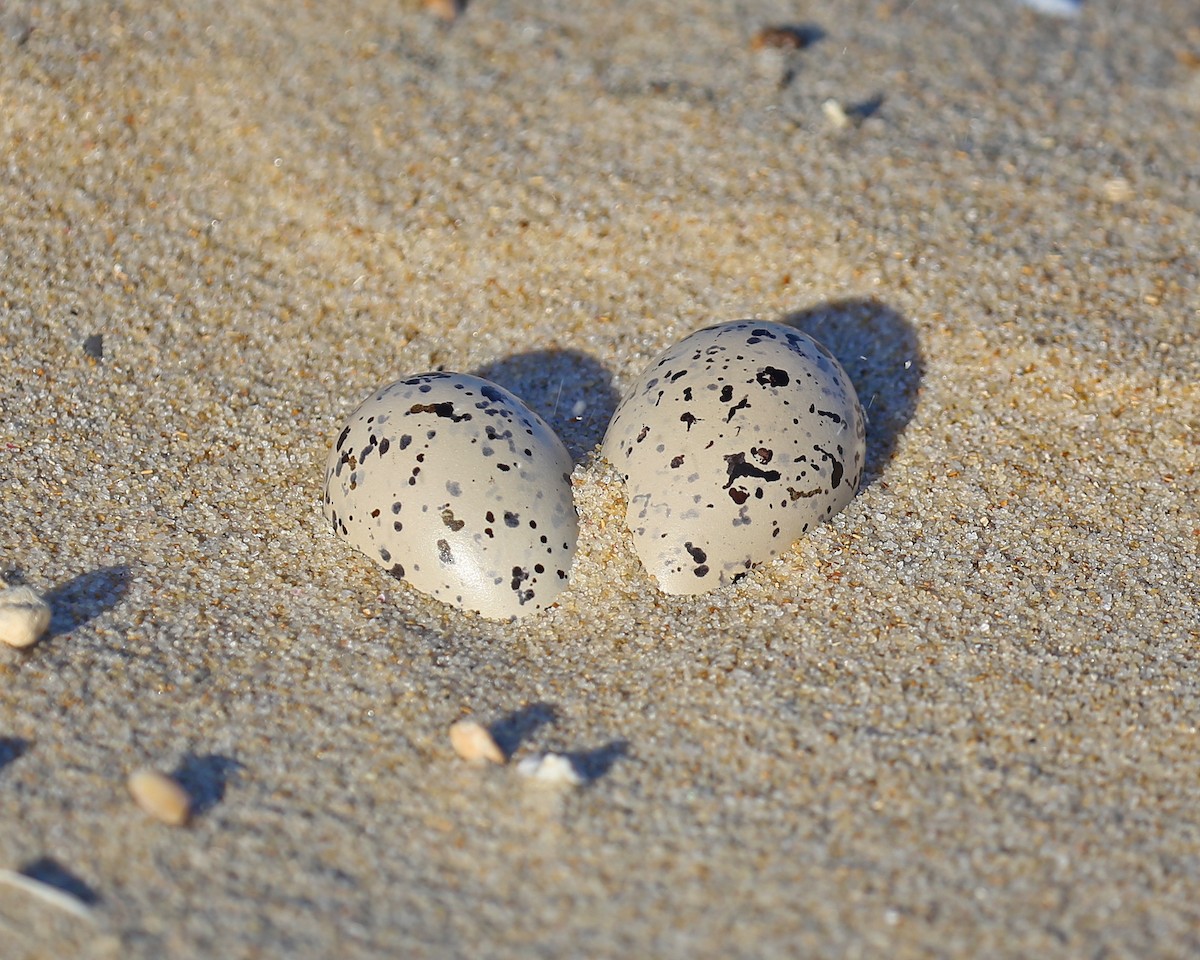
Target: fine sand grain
[{"x": 960, "y": 720}]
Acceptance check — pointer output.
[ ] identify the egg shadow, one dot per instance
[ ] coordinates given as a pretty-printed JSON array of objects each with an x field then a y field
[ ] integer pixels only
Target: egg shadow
[
  {"x": 570, "y": 390},
  {"x": 880, "y": 351},
  {"x": 85, "y": 597}
]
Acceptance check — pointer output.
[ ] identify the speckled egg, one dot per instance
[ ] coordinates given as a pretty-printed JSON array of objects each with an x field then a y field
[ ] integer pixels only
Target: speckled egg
[
  {"x": 733, "y": 443},
  {"x": 453, "y": 485}
]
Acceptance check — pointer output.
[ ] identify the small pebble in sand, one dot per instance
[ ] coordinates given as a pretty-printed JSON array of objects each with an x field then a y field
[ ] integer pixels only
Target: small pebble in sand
[
  {"x": 447, "y": 10},
  {"x": 24, "y": 616},
  {"x": 780, "y": 38},
  {"x": 473, "y": 741},
  {"x": 161, "y": 797},
  {"x": 552, "y": 769},
  {"x": 835, "y": 113},
  {"x": 1118, "y": 190}
]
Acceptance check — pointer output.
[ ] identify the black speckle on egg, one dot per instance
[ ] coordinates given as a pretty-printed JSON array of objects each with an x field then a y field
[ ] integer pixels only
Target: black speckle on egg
[
  {"x": 737, "y": 468},
  {"x": 743, "y": 404},
  {"x": 444, "y": 410},
  {"x": 772, "y": 377}
]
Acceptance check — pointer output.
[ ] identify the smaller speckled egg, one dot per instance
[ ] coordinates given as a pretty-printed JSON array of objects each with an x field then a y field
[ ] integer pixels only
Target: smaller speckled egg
[
  {"x": 734, "y": 443},
  {"x": 453, "y": 485}
]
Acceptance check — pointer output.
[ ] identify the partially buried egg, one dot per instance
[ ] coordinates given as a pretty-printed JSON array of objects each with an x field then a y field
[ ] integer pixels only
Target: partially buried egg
[
  {"x": 733, "y": 443},
  {"x": 455, "y": 486}
]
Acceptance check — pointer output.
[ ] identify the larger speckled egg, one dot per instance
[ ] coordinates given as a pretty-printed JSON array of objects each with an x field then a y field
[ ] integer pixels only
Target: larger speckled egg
[
  {"x": 733, "y": 444},
  {"x": 450, "y": 483}
]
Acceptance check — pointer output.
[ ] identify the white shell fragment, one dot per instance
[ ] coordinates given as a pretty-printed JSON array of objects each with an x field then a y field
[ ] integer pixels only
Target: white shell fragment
[
  {"x": 51, "y": 896},
  {"x": 160, "y": 796},
  {"x": 734, "y": 443},
  {"x": 835, "y": 113},
  {"x": 473, "y": 741},
  {"x": 24, "y": 616},
  {"x": 1064, "y": 9},
  {"x": 453, "y": 485},
  {"x": 552, "y": 769}
]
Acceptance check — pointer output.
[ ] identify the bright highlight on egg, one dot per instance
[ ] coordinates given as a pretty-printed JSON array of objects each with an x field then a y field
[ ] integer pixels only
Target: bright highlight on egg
[{"x": 733, "y": 443}]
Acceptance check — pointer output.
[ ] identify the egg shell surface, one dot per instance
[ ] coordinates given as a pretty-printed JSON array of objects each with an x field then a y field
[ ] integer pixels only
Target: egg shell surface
[
  {"x": 452, "y": 484},
  {"x": 733, "y": 443}
]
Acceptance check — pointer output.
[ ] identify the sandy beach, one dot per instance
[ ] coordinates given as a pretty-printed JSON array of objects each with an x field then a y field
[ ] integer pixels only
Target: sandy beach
[{"x": 959, "y": 720}]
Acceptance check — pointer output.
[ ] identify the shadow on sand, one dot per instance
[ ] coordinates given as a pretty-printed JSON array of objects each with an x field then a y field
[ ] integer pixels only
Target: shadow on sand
[
  {"x": 570, "y": 390},
  {"x": 879, "y": 350}
]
